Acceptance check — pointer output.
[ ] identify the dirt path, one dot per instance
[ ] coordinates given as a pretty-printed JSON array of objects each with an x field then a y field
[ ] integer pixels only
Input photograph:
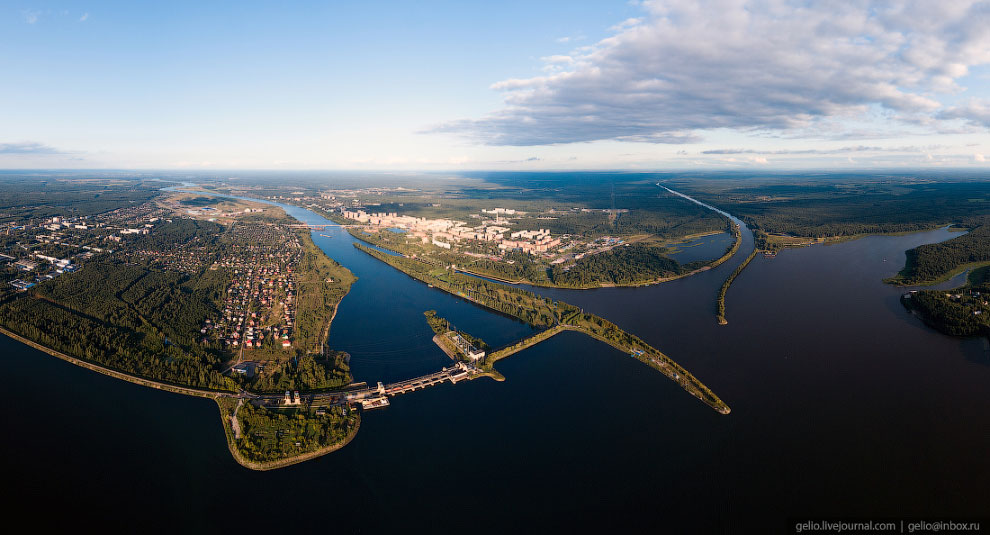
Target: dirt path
[{"x": 234, "y": 424}]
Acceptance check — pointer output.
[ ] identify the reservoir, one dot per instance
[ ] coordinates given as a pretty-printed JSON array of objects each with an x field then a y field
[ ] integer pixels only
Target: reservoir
[{"x": 843, "y": 404}]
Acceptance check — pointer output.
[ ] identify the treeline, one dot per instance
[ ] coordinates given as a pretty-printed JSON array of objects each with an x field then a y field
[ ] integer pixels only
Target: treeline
[{"x": 935, "y": 260}]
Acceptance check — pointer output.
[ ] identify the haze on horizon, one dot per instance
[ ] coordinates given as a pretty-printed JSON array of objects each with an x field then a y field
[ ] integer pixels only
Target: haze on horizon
[{"x": 677, "y": 84}]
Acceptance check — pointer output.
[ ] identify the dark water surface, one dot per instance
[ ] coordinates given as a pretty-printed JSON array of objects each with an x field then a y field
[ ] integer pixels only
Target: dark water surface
[
  {"x": 707, "y": 247},
  {"x": 842, "y": 404}
]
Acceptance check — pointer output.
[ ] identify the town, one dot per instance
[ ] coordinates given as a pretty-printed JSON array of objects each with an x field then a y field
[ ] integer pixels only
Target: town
[
  {"x": 444, "y": 233},
  {"x": 259, "y": 305}
]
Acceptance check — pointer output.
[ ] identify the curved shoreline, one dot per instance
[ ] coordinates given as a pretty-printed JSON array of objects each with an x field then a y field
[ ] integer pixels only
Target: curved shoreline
[
  {"x": 215, "y": 395},
  {"x": 281, "y": 463},
  {"x": 737, "y": 233},
  {"x": 150, "y": 383},
  {"x": 905, "y": 283}
]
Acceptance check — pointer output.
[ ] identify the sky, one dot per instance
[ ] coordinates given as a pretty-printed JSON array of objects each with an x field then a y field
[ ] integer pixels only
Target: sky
[{"x": 508, "y": 85}]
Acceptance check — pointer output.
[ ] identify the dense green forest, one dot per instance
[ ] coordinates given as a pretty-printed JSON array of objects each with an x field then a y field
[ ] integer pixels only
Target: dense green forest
[
  {"x": 521, "y": 269},
  {"x": 959, "y": 312},
  {"x": 33, "y": 197},
  {"x": 632, "y": 264},
  {"x": 271, "y": 435},
  {"x": 180, "y": 232},
  {"x": 128, "y": 318},
  {"x": 307, "y": 372},
  {"x": 818, "y": 207},
  {"x": 935, "y": 261}
]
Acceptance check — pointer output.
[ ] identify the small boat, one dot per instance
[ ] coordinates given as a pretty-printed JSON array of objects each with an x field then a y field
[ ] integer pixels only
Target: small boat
[{"x": 325, "y": 236}]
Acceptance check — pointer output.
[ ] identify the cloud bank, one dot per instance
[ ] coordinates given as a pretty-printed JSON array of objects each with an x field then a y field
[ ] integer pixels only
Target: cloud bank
[
  {"x": 768, "y": 65},
  {"x": 28, "y": 147}
]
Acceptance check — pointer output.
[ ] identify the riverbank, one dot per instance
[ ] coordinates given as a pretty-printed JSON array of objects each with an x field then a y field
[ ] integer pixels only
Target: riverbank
[
  {"x": 176, "y": 389},
  {"x": 898, "y": 280}
]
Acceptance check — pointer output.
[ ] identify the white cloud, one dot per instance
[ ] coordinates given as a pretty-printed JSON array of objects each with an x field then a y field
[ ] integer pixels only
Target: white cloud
[
  {"x": 628, "y": 23},
  {"x": 840, "y": 150},
  {"x": 28, "y": 147},
  {"x": 84, "y": 17},
  {"x": 974, "y": 111},
  {"x": 557, "y": 59},
  {"x": 31, "y": 16},
  {"x": 751, "y": 66},
  {"x": 979, "y": 158}
]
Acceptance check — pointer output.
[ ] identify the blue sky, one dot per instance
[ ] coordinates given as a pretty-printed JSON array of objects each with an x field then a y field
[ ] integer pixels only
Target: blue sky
[{"x": 493, "y": 85}]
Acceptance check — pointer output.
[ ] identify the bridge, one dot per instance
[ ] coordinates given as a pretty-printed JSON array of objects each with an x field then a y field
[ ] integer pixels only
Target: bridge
[
  {"x": 455, "y": 373},
  {"x": 314, "y": 227},
  {"x": 371, "y": 397}
]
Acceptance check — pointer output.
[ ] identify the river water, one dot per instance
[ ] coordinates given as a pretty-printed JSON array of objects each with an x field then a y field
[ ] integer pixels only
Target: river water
[{"x": 842, "y": 404}]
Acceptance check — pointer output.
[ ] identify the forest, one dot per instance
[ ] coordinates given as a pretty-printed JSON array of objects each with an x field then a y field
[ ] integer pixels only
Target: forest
[
  {"x": 33, "y": 197},
  {"x": 632, "y": 264},
  {"x": 834, "y": 206},
  {"x": 269, "y": 435},
  {"x": 309, "y": 373},
  {"x": 135, "y": 320},
  {"x": 959, "y": 312},
  {"x": 935, "y": 261}
]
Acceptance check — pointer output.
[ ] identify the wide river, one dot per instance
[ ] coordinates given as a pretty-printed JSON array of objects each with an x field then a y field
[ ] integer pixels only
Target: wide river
[{"x": 842, "y": 404}]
